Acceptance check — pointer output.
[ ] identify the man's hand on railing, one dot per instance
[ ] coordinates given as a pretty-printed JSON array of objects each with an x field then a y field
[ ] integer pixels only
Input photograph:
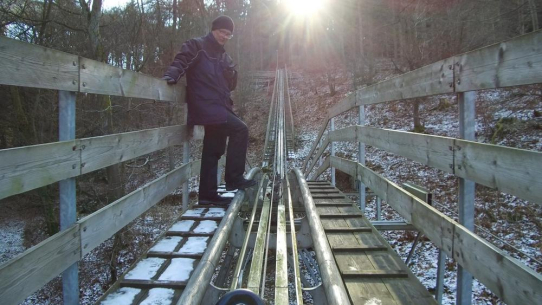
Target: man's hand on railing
[{"x": 169, "y": 80}]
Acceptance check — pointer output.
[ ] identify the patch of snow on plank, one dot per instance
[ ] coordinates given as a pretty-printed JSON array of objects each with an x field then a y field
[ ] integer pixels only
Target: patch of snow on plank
[
  {"x": 182, "y": 226},
  {"x": 194, "y": 212},
  {"x": 159, "y": 296},
  {"x": 228, "y": 195},
  {"x": 194, "y": 245},
  {"x": 167, "y": 244},
  {"x": 122, "y": 296},
  {"x": 178, "y": 270},
  {"x": 206, "y": 226},
  {"x": 145, "y": 269},
  {"x": 215, "y": 212}
]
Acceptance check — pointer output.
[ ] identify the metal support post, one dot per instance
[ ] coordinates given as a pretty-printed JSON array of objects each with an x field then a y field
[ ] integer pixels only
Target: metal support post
[
  {"x": 361, "y": 160},
  {"x": 68, "y": 205},
  {"x": 332, "y": 150},
  {"x": 467, "y": 123},
  {"x": 378, "y": 208},
  {"x": 186, "y": 159},
  {"x": 441, "y": 267}
]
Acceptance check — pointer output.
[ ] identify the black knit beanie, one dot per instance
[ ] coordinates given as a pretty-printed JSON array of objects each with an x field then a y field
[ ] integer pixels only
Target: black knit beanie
[{"x": 222, "y": 22}]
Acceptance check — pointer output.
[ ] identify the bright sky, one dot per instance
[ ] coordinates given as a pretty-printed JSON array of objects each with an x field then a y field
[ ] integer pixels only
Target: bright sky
[{"x": 108, "y": 4}]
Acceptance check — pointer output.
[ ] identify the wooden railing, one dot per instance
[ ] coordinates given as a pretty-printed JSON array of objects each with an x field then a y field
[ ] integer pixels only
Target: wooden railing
[
  {"x": 26, "y": 168},
  {"x": 515, "y": 171}
]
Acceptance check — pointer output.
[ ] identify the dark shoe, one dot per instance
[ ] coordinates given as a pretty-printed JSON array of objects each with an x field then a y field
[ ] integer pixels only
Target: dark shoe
[
  {"x": 213, "y": 199},
  {"x": 240, "y": 185}
]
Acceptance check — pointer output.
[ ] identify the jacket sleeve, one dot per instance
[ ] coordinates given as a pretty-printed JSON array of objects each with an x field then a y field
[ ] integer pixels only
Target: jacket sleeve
[
  {"x": 230, "y": 74},
  {"x": 185, "y": 59}
]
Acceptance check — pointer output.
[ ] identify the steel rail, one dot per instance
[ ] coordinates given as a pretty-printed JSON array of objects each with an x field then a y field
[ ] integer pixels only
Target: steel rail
[
  {"x": 242, "y": 253},
  {"x": 201, "y": 277},
  {"x": 295, "y": 267},
  {"x": 331, "y": 277}
]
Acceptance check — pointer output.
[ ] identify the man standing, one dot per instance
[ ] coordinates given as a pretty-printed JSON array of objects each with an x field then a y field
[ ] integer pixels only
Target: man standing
[{"x": 211, "y": 76}]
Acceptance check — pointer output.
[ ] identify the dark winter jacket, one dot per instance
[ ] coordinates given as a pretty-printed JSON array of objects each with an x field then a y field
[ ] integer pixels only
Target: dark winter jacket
[{"x": 210, "y": 77}]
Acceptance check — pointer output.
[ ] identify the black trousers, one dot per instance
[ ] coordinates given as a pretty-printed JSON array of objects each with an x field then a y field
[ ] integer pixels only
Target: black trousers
[{"x": 214, "y": 145}]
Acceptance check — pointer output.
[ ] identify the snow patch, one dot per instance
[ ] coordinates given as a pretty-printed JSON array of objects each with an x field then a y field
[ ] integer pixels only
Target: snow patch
[
  {"x": 194, "y": 245},
  {"x": 182, "y": 226},
  {"x": 159, "y": 296},
  {"x": 206, "y": 226},
  {"x": 215, "y": 212},
  {"x": 122, "y": 296},
  {"x": 167, "y": 244},
  {"x": 178, "y": 270},
  {"x": 194, "y": 212},
  {"x": 145, "y": 269}
]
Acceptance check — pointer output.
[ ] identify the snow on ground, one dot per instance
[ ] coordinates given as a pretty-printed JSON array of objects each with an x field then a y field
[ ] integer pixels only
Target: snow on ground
[{"x": 516, "y": 222}]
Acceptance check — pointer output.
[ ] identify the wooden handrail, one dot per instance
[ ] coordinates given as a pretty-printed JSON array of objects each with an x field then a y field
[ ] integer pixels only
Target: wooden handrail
[
  {"x": 510, "y": 170},
  {"x": 30, "y": 270},
  {"x": 26, "y": 168},
  {"x": 505, "y": 276},
  {"x": 514, "y": 62},
  {"x": 29, "y": 65}
]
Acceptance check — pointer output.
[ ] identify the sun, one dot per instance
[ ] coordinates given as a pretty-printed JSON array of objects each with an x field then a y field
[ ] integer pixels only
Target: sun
[{"x": 305, "y": 8}]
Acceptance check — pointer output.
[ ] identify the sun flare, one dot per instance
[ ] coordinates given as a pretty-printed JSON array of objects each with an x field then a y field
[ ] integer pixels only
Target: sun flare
[{"x": 305, "y": 7}]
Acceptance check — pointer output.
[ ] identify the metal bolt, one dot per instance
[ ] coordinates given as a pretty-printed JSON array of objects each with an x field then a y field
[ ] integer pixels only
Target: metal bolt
[
  {"x": 74, "y": 147},
  {"x": 459, "y": 167},
  {"x": 459, "y": 82},
  {"x": 84, "y": 229},
  {"x": 458, "y": 147},
  {"x": 450, "y": 148},
  {"x": 84, "y": 84},
  {"x": 450, "y": 67},
  {"x": 83, "y": 66},
  {"x": 83, "y": 164},
  {"x": 83, "y": 146},
  {"x": 74, "y": 166},
  {"x": 451, "y": 166},
  {"x": 74, "y": 82},
  {"x": 86, "y": 246},
  {"x": 451, "y": 85},
  {"x": 74, "y": 63}
]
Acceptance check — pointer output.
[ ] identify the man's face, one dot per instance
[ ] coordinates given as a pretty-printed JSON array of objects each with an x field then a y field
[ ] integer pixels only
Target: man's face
[{"x": 222, "y": 36}]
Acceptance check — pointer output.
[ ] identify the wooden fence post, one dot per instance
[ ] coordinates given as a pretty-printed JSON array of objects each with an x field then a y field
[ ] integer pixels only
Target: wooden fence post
[{"x": 68, "y": 204}]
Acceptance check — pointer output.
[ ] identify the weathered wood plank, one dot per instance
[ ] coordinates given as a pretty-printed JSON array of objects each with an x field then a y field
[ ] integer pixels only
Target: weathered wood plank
[
  {"x": 347, "y": 229},
  {"x": 26, "y": 168},
  {"x": 320, "y": 133},
  {"x": 149, "y": 284},
  {"x": 30, "y": 167},
  {"x": 28, "y": 65},
  {"x": 281, "y": 269},
  {"x": 436, "y": 78},
  {"x": 100, "y": 152},
  {"x": 510, "y": 170},
  {"x": 341, "y": 215},
  {"x": 374, "y": 273},
  {"x": 360, "y": 248},
  {"x": 316, "y": 157},
  {"x": 323, "y": 168},
  {"x": 364, "y": 291},
  {"x": 517, "y": 61},
  {"x": 32, "y": 269},
  {"x": 102, "y": 224},
  {"x": 101, "y": 78},
  {"x": 486, "y": 263},
  {"x": 505, "y": 276}
]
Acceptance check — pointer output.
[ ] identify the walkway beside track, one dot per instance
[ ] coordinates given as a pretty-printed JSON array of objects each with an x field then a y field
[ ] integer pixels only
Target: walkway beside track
[
  {"x": 369, "y": 267},
  {"x": 160, "y": 275}
]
